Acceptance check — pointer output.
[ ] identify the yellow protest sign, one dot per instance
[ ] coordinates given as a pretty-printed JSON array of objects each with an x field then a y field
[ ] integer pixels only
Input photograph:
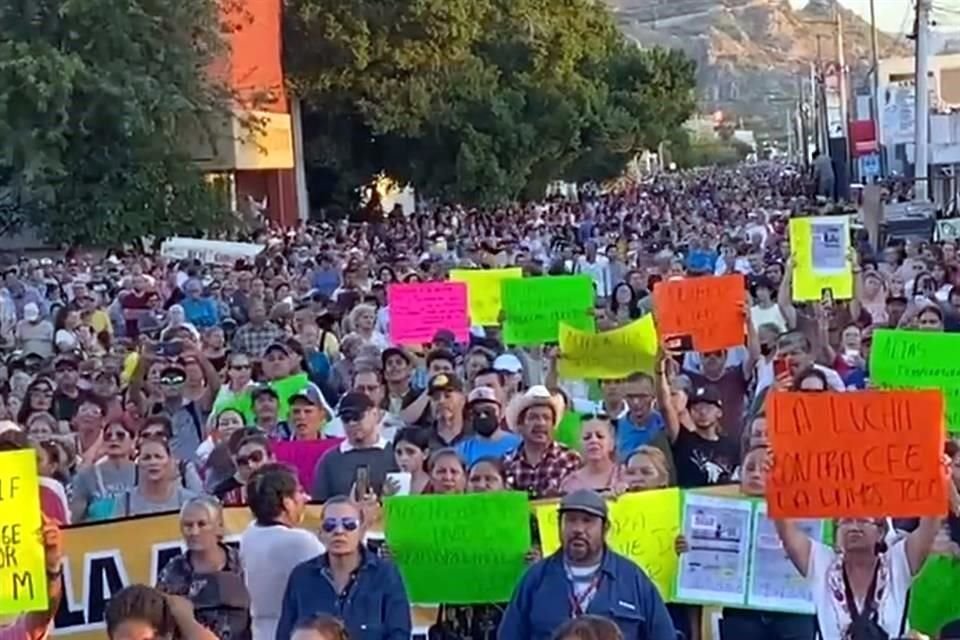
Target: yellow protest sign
[
  {"x": 610, "y": 354},
  {"x": 483, "y": 292},
  {"x": 820, "y": 246},
  {"x": 643, "y": 527},
  {"x": 23, "y": 575}
]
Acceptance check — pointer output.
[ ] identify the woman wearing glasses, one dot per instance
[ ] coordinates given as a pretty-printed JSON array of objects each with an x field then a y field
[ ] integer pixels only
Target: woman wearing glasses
[
  {"x": 250, "y": 450},
  {"x": 209, "y": 572},
  {"x": 106, "y": 476},
  {"x": 348, "y": 581},
  {"x": 239, "y": 380}
]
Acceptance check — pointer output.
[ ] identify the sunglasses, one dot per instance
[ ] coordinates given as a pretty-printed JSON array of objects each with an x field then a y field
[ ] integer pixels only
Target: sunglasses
[
  {"x": 348, "y": 524},
  {"x": 254, "y": 458},
  {"x": 171, "y": 381},
  {"x": 110, "y": 436}
]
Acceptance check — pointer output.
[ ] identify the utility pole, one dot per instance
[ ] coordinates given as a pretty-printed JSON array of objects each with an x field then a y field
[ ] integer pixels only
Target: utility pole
[
  {"x": 922, "y": 127},
  {"x": 875, "y": 85}
]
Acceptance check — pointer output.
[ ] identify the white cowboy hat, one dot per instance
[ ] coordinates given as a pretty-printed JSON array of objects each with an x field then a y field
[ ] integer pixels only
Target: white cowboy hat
[{"x": 537, "y": 395}]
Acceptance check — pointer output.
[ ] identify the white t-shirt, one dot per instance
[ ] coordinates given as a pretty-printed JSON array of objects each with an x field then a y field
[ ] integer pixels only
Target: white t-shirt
[
  {"x": 771, "y": 315},
  {"x": 269, "y": 555},
  {"x": 825, "y": 577}
]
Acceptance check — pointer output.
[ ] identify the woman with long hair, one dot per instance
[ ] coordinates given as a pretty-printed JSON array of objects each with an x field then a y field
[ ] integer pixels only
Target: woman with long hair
[
  {"x": 411, "y": 447},
  {"x": 623, "y": 304},
  {"x": 67, "y": 325},
  {"x": 37, "y": 399},
  {"x": 209, "y": 572},
  {"x": 158, "y": 488}
]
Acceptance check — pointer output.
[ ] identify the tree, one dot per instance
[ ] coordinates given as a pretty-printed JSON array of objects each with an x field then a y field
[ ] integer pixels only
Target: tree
[
  {"x": 477, "y": 100},
  {"x": 96, "y": 97}
]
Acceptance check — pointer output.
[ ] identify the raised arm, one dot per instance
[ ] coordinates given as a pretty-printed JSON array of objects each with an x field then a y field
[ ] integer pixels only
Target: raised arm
[
  {"x": 785, "y": 295},
  {"x": 796, "y": 543},
  {"x": 664, "y": 400}
]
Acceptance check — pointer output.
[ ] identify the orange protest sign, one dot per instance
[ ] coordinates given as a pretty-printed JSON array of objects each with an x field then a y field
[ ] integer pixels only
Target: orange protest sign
[
  {"x": 862, "y": 454},
  {"x": 710, "y": 310}
]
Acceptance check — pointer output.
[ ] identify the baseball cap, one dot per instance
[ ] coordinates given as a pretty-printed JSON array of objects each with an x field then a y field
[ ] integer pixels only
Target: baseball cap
[
  {"x": 31, "y": 312},
  {"x": 353, "y": 406},
  {"x": 264, "y": 389},
  {"x": 277, "y": 346},
  {"x": 708, "y": 395},
  {"x": 309, "y": 394},
  {"x": 65, "y": 361},
  {"x": 482, "y": 394},
  {"x": 445, "y": 336},
  {"x": 444, "y": 382},
  {"x": 585, "y": 501},
  {"x": 508, "y": 362}
]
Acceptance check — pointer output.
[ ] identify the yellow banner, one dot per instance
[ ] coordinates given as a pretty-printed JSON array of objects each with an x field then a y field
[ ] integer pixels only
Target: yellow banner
[
  {"x": 643, "y": 527},
  {"x": 103, "y": 558},
  {"x": 483, "y": 292},
  {"x": 610, "y": 354},
  {"x": 23, "y": 576},
  {"x": 820, "y": 246}
]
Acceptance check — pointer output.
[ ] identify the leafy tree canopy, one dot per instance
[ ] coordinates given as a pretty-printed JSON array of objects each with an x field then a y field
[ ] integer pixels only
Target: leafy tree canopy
[
  {"x": 95, "y": 97},
  {"x": 478, "y": 100}
]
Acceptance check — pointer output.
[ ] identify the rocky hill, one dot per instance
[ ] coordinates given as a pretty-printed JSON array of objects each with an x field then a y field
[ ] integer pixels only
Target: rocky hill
[{"x": 752, "y": 53}]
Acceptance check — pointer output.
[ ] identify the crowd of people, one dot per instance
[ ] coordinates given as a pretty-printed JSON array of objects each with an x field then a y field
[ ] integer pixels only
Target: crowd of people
[{"x": 148, "y": 385}]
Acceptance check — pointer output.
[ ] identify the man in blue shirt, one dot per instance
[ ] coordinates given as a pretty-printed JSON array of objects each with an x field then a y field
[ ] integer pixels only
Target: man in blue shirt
[
  {"x": 490, "y": 440},
  {"x": 642, "y": 425},
  {"x": 348, "y": 582},
  {"x": 585, "y": 577}
]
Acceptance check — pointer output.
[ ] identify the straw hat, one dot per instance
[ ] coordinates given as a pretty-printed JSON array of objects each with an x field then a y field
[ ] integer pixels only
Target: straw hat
[{"x": 536, "y": 396}]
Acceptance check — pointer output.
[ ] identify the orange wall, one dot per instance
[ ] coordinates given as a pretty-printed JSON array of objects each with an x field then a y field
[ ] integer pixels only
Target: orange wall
[{"x": 255, "y": 52}]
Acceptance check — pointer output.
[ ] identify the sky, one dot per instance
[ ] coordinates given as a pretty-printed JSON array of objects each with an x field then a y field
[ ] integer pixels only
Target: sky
[{"x": 894, "y": 16}]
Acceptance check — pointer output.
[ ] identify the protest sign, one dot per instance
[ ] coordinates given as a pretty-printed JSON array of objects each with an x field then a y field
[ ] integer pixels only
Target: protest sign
[
  {"x": 610, "y": 354},
  {"x": 714, "y": 568},
  {"x": 209, "y": 251},
  {"x": 484, "y": 292},
  {"x": 459, "y": 549},
  {"x": 919, "y": 360},
  {"x": 643, "y": 527},
  {"x": 933, "y": 595},
  {"x": 284, "y": 387},
  {"x": 773, "y": 582},
  {"x": 857, "y": 454},
  {"x": 710, "y": 310},
  {"x": 820, "y": 246},
  {"x": 533, "y": 308},
  {"x": 568, "y": 431},
  {"x": 418, "y": 311},
  {"x": 23, "y": 573}
]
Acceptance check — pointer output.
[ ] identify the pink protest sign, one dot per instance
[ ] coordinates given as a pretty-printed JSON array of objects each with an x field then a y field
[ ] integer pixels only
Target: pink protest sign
[{"x": 418, "y": 311}]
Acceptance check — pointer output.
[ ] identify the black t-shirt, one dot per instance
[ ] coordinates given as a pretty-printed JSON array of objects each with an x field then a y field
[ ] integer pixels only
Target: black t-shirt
[
  {"x": 64, "y": 406},
  {"x": 701, "y": 462}
]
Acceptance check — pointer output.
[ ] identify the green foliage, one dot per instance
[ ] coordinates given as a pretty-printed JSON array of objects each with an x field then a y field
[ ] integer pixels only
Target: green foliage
[
  {"x": 700, "y": 151},
  {"x": 477, "y": 100},
  {"x": 95, "y": 97}
]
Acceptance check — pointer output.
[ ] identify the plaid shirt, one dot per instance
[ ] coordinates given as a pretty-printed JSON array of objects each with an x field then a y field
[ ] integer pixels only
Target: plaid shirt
[
  {"x": 253, "y": 341},
  {"x": 543, "y": 479}
]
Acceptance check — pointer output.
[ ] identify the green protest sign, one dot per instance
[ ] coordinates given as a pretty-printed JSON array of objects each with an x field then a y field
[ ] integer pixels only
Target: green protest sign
[
  {"x": 285, "y": 387},
  {"x": 533, "y": 308},
  {"x": 569, "y": 429},
  {"x": 933, "y": 595},
  {"x": 919, "y": 360},
  {"x": 459, "y": 549}
]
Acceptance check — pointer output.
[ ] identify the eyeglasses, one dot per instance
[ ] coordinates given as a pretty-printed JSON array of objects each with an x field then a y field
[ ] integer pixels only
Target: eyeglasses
[
  {"x": 254, "y": 458},
  {"x": 154, "y": 435},
  {"x": 172, "y": 381},
  {"x": 348, "y": 524},
  {"x": 109, "y": 436}
]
